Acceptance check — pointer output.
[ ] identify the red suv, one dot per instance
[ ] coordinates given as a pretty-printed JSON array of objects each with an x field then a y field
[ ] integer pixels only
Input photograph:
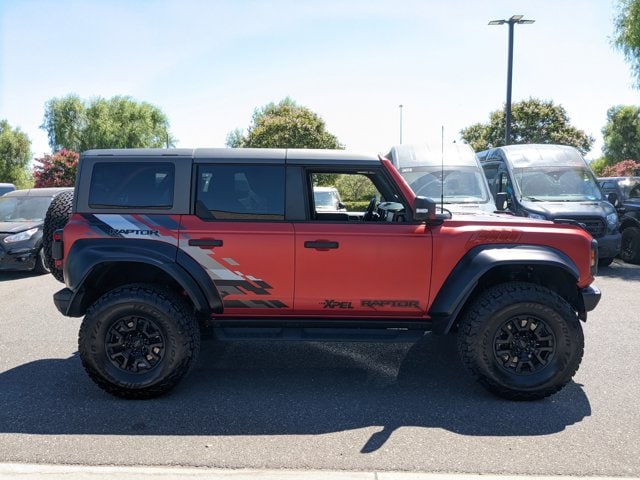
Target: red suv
[{"x": 161, "y": 243}]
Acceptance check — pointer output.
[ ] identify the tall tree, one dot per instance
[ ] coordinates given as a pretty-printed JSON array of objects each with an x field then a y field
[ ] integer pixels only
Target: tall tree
[
  {"x": 622, "y": 134},
  {"x": 533, "y": 121},
  {"x": 627, "y": 34},
  {"x": 15, "y": 153},
  {"x": 118, "y": 122},
  {"x": 284, "y": 125}
]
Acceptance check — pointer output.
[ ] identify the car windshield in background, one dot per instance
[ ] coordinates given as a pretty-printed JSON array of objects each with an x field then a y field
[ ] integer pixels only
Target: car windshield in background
[
  {"x": 463, "y": 185},
  {"x": 22, "y": 209},
  {"x": 630, "y": 187},
  {"x": 325, "y": 199},
  {"x": 560, "y": 184}
]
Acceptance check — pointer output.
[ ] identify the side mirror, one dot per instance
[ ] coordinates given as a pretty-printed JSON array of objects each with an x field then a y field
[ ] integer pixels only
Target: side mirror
[
  {"x": 502, "y": 199},
  {"x": 341, "y": 206},
  {"x": 613, "y": 199},
  {"x": 424, "y": 209}
]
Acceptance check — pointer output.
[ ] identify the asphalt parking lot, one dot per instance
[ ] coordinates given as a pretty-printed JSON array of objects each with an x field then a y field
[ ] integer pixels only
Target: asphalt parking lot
[{"x": 320, "y": 406}]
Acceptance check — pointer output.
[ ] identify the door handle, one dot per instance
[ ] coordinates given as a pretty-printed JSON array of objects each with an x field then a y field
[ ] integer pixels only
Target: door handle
[
  {"x": 321, "y": 244},
  {"x": 205, "y": 242}
]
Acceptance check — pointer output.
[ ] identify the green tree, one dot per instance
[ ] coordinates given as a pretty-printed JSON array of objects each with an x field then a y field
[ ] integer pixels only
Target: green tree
[
  {"x": 118, "y": 122},
  {"x": 627, "y": 34},
  {"x": 533, "y": 121},
  {"x": 622, "y": 134},
  {"x": 58, "y": 170},
  {"x": 284, "y": 125},
  {"x": 15, "y": 153}
]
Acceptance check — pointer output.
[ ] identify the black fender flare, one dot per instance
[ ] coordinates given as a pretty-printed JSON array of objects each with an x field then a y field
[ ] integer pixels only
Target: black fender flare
[
  {"x": 87, "y": 255},
  {"x": 479, "y": 261}
]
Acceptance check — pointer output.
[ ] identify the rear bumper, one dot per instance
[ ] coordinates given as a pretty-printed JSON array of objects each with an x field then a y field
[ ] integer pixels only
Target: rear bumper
[
  {"x": 591, "y": 297},
  {"x": 62, "y": 300}
]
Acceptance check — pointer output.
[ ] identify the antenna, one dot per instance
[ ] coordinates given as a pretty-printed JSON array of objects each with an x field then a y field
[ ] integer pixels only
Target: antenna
[{"x": 442, "y": 170}]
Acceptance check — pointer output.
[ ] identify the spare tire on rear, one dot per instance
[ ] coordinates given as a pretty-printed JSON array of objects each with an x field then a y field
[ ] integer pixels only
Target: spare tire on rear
[{"x": 57, "y": 217}]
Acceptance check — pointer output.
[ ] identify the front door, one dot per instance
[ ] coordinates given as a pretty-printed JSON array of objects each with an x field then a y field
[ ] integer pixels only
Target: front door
[{"x": 362, "y": 262}]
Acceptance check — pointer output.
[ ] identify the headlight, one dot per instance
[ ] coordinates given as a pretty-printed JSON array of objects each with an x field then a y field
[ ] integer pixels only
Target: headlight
[
  {"x": 22, "y": 236},
  {"x": 612, "y": 219},
  {"x": 537, "y": 216}
]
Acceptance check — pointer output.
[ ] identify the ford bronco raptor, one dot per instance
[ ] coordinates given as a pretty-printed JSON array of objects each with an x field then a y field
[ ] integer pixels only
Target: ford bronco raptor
[{"x": 156, "y": 245}]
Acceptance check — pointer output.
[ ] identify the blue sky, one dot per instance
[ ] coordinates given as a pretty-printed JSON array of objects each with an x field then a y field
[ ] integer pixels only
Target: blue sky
[{"x": 209, "y": 64}]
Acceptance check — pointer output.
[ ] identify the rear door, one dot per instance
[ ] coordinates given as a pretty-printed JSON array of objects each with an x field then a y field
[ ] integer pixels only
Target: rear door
[{"x": 239, "y": 235}]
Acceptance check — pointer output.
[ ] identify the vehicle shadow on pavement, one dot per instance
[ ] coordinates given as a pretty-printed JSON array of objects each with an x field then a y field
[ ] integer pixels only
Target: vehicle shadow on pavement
[
  {"x": 280, "y": 388},
  {"x": 620, "y": 269},
  {"x": 9, "y": 276}
]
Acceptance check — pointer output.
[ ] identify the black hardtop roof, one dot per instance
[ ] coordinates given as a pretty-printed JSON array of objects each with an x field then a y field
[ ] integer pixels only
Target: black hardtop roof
[
  {"x": 38, "y": 192},
  {"x": 270, "y": 155}
]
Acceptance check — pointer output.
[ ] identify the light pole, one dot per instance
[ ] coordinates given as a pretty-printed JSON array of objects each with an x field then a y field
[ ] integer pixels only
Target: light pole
[
  {"x": 511, "y": 22},
  {"x": 400, "y": 106}
]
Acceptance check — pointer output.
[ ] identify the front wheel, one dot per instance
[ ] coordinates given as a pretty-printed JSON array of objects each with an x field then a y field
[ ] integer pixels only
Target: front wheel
[
  {"x": 139, "y": 341},
  {"x": 521, "y": 341},
  {"x": 630, "y": 251}
]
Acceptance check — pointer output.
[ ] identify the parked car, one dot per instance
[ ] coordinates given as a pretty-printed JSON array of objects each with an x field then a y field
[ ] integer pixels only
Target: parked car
[
  {"x": 552, "y": 182},
  {"x": 627, "y": 203},
  {"x": 327, "y": 199},
  {"x": 22, "y": 214},
  {"x": 6, "y": 187},
  {"x": 449, "y": 174}
]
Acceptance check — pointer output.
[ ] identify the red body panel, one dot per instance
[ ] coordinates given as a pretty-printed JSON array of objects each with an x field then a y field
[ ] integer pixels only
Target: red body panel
[
  {"x": 377, "y": 270},
  {"x": 253, "y": 269}
]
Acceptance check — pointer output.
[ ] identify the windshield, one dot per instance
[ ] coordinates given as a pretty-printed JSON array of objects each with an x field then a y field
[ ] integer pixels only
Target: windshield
[
  {"x": 462, "y": 185},
  {"x": 630, "y": 187},
  {"x": 23, "y": 209},
  {"x": 326, "y": 199},
  {"x": 563, "y": 184}
]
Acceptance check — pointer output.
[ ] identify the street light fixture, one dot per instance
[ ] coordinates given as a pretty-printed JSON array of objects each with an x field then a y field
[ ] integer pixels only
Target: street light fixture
[
  {"x": 400, "y": 106},
  {"x": 511, "y": 22}
]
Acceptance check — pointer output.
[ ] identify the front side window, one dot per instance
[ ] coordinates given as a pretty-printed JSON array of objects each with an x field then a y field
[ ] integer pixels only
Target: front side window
[
  {"x": 240, "y": 192},
  {"x": 353, "y": 196},
  {"x": 132, "y": 185}
]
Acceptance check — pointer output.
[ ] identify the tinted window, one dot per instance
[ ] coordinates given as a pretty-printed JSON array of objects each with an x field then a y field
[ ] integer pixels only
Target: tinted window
[
  {"x": 132, "y": 185},
  {"x": 240, "y": 192}
]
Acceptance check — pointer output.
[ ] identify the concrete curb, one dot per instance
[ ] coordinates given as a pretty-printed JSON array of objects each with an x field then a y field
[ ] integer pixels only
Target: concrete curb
[{"x": 15, "y": 471}]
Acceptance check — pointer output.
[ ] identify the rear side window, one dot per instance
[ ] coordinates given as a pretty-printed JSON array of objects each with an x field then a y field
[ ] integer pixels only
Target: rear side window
[
  {"x": 240, "y": 192},
  {"x": 132, "y": 185}
]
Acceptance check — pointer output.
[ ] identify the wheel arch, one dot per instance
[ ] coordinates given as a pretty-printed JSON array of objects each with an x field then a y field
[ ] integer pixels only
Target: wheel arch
[
  {"x": 99, "y": 266},
  {"x": 486, "y": 266}
]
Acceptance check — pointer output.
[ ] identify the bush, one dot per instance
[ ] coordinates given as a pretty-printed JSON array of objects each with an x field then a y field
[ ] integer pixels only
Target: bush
[
  {"x": 626, "y": 168},
  {"x": 58, "y": 170},
  {"x": 356, "y": 206}
]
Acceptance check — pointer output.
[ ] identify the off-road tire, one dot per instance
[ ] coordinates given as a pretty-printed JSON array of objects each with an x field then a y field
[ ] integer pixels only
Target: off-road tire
[
  {"x": 57, "y": 217},
  {"x": 526, "y": 327},
  {"x": 630, "y": 251},
  {"x": 144, "y": 323},
  {"x": 40, "y": 267}
]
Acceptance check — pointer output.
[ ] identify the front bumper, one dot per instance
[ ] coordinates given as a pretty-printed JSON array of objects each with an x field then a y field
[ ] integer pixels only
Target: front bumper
[
  {"x": 591, "y": 297},
  {"x": 609, "y": 245},
  {"x": 20, "y": 259}
]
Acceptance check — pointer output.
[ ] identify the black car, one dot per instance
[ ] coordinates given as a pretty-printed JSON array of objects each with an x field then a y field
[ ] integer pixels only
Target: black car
[
  {"x": 22, "y": 214},
  {"x": 627, "y": 203}
]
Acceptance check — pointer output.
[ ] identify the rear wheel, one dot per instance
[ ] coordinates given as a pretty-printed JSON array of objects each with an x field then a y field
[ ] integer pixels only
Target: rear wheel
[
  {"x": 630, "y": 251},
  {"x": 521, "y": 341},
  {"x": 57, "y": 217},
  {"x": 139, "y": 341}
]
